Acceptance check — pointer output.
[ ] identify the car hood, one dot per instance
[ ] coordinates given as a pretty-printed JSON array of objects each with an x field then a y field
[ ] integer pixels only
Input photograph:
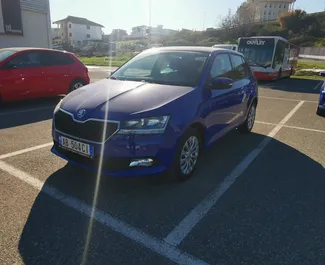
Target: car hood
[{"x": 120, "y": 98}]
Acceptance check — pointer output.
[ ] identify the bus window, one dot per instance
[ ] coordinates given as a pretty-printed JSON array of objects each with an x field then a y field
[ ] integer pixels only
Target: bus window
[{"x": 279, "y": 53}]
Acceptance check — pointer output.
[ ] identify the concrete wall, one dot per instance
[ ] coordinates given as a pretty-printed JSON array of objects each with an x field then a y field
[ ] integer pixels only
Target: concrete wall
[{"x": 36, "y": 26}]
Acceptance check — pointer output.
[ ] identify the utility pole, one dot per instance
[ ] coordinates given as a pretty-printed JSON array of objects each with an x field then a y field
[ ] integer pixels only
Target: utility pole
[{"x": 149, "y": 32}]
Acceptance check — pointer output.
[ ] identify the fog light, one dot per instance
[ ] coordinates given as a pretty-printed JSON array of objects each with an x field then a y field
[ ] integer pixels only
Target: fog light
[{"x": 141, "y": 163}]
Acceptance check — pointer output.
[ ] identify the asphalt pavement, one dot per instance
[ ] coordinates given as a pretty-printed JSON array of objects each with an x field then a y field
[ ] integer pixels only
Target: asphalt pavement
[{"x": 254, "y": 199}]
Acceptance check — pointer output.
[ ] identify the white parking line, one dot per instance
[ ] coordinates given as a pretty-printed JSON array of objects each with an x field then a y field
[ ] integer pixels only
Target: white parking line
[
  {"x": 288, "y": 99},
  {"x": 176, "y": 236},
  {"x": 25, "y": 150},
  {"x": 156, "y": 245},
  {"x": 27, "y": 110},
  {"x": 291, "y": 127}
]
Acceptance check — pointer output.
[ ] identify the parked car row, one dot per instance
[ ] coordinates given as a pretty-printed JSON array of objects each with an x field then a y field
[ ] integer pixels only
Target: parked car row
[{"x": 154, "y": 114}]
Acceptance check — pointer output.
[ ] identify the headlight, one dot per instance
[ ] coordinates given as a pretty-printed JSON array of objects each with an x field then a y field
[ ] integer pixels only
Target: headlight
[
  {"x": 57, "y": 107},
  {"x": 154, "y": 125}
]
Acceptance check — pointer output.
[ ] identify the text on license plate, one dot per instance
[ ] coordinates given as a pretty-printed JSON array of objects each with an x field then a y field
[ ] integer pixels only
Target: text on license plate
[{"x": 76, "y": 146}]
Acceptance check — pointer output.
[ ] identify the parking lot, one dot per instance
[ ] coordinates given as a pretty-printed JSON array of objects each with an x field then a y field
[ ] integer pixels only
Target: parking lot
[{"x": 254, "y": 199}]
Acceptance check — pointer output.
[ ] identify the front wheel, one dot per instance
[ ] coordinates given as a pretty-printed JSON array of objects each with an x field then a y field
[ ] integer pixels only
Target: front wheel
[
  {"x": 247, "y": 126},
  {"x": 187, "y": 155}
]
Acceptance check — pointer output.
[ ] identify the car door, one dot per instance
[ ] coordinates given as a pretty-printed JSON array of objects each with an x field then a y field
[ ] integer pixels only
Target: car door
[
  {"x": 22, "y": 76},
  {"x": 242, "y": 86},
  {"x": 57, "y": 72},
  {"x": 222, "y": 103}
]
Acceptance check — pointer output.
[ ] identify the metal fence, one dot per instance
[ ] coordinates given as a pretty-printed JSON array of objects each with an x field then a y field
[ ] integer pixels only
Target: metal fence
[{"x": 315, "y": 53}]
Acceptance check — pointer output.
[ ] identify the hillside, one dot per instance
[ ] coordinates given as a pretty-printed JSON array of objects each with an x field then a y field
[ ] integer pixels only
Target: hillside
[{"x": 306, "y": 30}]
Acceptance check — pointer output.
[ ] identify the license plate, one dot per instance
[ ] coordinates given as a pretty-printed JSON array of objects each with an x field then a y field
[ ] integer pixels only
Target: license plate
[{"x": 76, "y": 146}]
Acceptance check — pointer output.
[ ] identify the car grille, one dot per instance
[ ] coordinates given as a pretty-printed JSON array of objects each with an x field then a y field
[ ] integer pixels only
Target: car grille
[{"x": 90, "y": 130}]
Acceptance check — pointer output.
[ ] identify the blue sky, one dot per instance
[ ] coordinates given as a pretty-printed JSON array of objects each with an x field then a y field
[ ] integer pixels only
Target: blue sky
[{"x": 173, "y": 14}]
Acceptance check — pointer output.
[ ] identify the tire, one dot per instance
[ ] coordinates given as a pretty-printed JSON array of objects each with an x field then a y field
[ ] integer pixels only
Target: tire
[
  {"x": 179, "y": 171},
  {"x": 75, "y": 84},
  {"x": 248, "y": 124},
  {"x": 320, "y": 112},
  {"x": 279, "y": 74}
]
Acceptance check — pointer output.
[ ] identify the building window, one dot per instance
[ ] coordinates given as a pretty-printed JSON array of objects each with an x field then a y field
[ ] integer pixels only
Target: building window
[
  {"x": 264, "y": 12},
  {"x": 284, "y": 6},
  {"x": 270, "y": 5},
  {"x": 265, "y": 5},
  {"x": 69, "y": 26},
  {"x": 269, "y": 12},
  {"x": 88, "y": 36},
  {"x": 70, "y": 34},
  {"x": 88, "y": 27},
  {"x": 280, "y": 6}
]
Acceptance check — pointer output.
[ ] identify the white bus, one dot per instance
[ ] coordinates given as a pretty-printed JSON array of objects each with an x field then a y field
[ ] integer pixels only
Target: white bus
[{"x": 270, "y": 57}]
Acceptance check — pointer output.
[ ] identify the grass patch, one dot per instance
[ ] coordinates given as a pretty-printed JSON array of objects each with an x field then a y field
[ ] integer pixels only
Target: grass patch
[
  {"x": 307, "y": 75},
  {"x": 114, "y": 61},
  {"x": 310, "y": 64}
]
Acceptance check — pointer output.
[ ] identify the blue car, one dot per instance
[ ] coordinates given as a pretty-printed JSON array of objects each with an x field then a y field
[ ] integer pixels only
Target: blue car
[
  {"x": 157, "y": 112},
  {"x": 321, "y": 103}
]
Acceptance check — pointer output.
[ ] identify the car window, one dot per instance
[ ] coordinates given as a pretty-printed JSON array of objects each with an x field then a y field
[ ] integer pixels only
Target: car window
[
  {"x": 238, "y": 63},
  {"x": 56, "y": 58},
  {"x": 221, "y": 66},
  {"x": 26, "y": 60},
  {"x": 5, "y": 54}
]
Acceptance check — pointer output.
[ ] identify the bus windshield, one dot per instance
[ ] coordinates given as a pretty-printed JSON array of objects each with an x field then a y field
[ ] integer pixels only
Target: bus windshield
[{"x": 257, "y": 53}]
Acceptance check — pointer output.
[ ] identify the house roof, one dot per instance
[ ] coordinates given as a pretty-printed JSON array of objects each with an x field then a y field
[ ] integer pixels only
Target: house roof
[{"x": 79, "y": 20}]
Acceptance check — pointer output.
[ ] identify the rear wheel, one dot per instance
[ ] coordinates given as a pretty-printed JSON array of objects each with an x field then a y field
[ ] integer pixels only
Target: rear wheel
[
  {"x": 247, "y": 126},
  {"x": 187, "y": 155},
  {"x": 76, "y": 84}
]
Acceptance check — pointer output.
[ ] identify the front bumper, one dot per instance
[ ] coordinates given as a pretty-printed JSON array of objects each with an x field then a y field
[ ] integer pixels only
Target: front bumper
[{"x": 120, "y": 151}]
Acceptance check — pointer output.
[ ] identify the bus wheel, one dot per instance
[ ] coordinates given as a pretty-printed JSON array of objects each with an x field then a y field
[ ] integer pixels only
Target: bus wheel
[{"x": 279, "y": 74}]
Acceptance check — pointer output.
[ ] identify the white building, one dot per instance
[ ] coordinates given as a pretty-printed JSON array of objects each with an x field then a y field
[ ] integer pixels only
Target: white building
[
  {"x": 265, "y": 10},
  {"x": 76, "y": 30},
  {"x": 139, "y": 32},
  {"x": 25, "y": 23}
]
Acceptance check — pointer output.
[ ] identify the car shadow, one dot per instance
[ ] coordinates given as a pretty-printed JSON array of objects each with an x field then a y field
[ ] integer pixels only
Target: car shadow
[
  {"x": 55, "y": 234},
  {"x": 26, "y": 112},
  {"x": 297, "y": 85}
]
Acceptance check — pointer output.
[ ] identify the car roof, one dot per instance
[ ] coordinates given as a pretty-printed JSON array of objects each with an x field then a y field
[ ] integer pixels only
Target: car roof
[
  {"x": 192, "y": 49},
  {"x": 184, "y": 48},
  {"x": 19, "y": 49}
]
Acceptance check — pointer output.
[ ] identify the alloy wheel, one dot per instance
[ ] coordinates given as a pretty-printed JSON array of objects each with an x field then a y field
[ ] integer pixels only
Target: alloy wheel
[{"x": 189, "y": 155}]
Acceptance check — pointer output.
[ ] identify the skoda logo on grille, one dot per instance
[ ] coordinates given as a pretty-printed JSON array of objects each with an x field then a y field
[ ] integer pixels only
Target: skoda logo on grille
[{"x": 81, "y": 113}]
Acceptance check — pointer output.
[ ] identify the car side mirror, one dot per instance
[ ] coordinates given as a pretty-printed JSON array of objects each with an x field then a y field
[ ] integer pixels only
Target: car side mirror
[
  {"x": 322, "y": 74},
  {"x": 221, "y": 83}
]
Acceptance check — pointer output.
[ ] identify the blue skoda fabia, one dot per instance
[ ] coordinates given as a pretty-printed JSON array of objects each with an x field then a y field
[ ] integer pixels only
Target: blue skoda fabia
[
  {"x": 321, "y": 102},
  {"x": 157, "y": 112}
]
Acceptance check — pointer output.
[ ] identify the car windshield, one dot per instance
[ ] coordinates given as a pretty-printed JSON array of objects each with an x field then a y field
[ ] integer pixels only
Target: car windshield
[
  {"x": 179, "y": 68},
  {"x": 258, "y": 55},
  {"x": 5, "y": 54}
]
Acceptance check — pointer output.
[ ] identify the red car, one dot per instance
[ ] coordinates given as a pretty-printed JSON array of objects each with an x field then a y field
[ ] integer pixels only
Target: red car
[{"x": 27, "y": 73}]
